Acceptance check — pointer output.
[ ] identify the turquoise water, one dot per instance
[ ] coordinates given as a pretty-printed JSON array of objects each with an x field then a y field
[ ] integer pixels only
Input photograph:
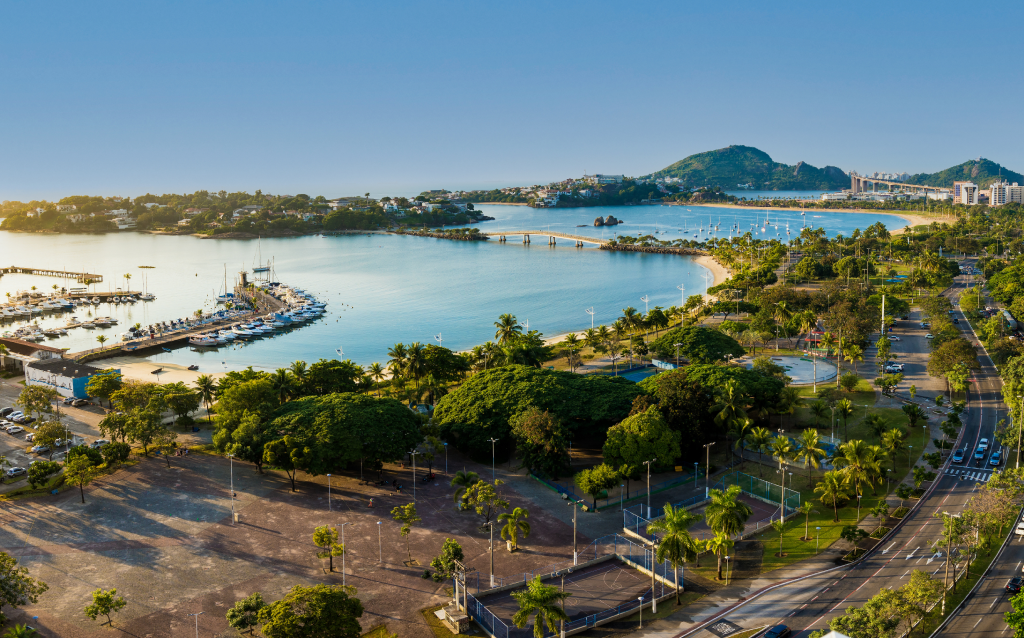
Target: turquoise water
[{"x": 383, "y": 289}]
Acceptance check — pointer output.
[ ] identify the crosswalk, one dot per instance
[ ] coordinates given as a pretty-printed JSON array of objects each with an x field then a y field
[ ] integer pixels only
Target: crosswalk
[{"x": 981, "y": 476}]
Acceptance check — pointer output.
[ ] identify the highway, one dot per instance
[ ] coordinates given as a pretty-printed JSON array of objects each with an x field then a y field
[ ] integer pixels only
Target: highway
[{"x": 809, "y": 604}]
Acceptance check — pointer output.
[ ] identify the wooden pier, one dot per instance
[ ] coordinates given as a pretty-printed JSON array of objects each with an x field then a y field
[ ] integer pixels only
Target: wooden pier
[{"x": 80, "y": 277}]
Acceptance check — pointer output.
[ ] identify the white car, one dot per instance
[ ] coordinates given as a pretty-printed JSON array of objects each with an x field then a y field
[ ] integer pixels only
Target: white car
[
  {"x": 929, "y": 336},
  {"x": 98, "y": 443},
  {"x": 15, "y": 471},
  {"x": 30, "y": 437},
  {"x": 15, "y": 429},
  {"x": 983, "y": 444},
  {"x": 1020, "y": 530},
  {"x": 894, "y": 337}
]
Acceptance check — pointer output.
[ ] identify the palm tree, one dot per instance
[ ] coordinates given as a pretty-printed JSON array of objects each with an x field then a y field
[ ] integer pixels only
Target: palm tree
[
  {"x": 729, "y": 405},
  {"x": 542, "y": 600},
  {"x": 831, "y": 490},
  {"x": 892, "y": 440},
  {"x": 781, "y": 313},
  {"x": 810, "y": 451},
  {"x": 283, "y": 383},
  {"x": 781, "y": 448},
  {"x": 207, "y": 389},
  {"x": 677, "y": 545},
  {"x": 854, "y": 353},
  {"x": 806, "y": 509},
  {"x": 21, "y": 631},
  {"x": 592, "y": 339},
  {"x": 758, "y": 440},
  {"x": 515, "y": 522},
  {"x": 507, "y": 329},
  {"x": 719, "y": 545},
  {"x": 806, "y": 321},
  {"x": 631, "y": 318},
  {"x": 298, "y": 369},
  {"x": 572, "y": 347},
  {"x": 462, "y": 481},
  {"x": 376, "y": 372},
  {"x": 914, "y": 413},
  {"x": 415, "y": 362},
  {"x": 819, "y": 410},
  {"x": 102, "y": 339},
  {"x": 858, "y": 462},
  {"x": 877, "y": 425},
  {"x": 828, "y": 342},
  {"x": 726, "y": 515},
  {"x": 789, "y": 401},
  {"x": 845, "y": 408},
  {"x": 3, "y": 356}
]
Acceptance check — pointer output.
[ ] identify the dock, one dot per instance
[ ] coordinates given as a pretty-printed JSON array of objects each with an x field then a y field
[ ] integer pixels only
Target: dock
[{"x": 79, "y": 277}]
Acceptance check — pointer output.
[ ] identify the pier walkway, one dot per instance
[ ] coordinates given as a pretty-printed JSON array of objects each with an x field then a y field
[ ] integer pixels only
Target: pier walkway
[
  {"x": 80, "y": 277},
  {"x": 551, "y": 235}
]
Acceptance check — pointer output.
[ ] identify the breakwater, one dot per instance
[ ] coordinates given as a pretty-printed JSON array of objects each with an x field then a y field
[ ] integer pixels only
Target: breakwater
[
  {"x": 454, "y": 236},
  {"x": 658, "y": 250}
]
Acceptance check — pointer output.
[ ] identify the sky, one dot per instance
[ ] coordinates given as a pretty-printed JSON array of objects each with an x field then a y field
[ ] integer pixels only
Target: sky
[{"x": 391, "y": 98}]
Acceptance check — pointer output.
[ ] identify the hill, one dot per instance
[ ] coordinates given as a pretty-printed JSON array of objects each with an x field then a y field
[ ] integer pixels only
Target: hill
[
  {"x": 980, "y": 171},
  {"x": 734, "y": 165}
]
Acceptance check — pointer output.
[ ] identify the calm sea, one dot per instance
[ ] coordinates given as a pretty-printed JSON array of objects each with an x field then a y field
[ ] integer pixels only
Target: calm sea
[{"x": 384, "y": 289}]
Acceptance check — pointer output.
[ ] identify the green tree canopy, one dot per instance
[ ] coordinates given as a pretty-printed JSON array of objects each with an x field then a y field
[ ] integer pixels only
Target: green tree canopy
[
  {"x": 542, "y": 442},
  {"x": 312, "y": 612},
  {"x": 642, "y": 437},
  {"x": 700, "y": 344}
]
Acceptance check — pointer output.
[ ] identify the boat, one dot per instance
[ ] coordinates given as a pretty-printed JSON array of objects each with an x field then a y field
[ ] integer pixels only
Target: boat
[
  {"x": 166, "y": 349},
  {"x": 158, "y": 370},
  {"x": 259, "y": 257},
  {"x": 193, "y": 367},
  {"x": 202, "y": 341}
]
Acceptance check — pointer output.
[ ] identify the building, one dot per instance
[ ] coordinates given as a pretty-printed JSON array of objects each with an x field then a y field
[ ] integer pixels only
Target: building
[
  {"x": 66, "y": 208},
  {"x": 604, "y": 179},
  {"x": 942, "y": 196},
  {"x": 183, "y": 223},
  {"x": 67, "y": 377},
  {"x": 1003, "y": 193},
  {"x": 965, "y": 193},
  {"x": 125, "y": 223},
  {"x": 20, "y": 353},
  {"x": 833, "y": 197}
]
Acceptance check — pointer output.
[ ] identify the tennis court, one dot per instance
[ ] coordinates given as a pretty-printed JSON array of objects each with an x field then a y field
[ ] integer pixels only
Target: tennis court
[{"x": 594, "y": 589}]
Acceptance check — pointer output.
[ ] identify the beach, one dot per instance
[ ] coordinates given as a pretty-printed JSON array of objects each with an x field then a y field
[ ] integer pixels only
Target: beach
[
  {"x": 911, "y": 218},
  {"x": 139, "y": 369}
]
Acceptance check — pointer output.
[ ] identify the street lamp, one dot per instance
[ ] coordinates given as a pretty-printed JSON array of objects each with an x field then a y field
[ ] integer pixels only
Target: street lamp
[
  {"x": 707, "y": 471},
  {"x": 726, "y": 571},
  {"x": 197, "y": 621},
  {"x": 682, "y": 297},
  {"x": 380, "y": 546},
  {"x": 590, "y": 311},
  {"x": 490, "y": 524},
  {"x": 677, "y": 353},
  {"x": 343, "y": 552},
  {"x": 446, "y": 458},
  {"x": 622, "y": 487},
  {"x": 329, "y": 509},
  {"x": 817, "y": 535},
  {"x": 648, "y": 464},
  {"x": 231, "y": 462},
  {"x": 413, "y": 454},
  {"x": 641, "y": 599},
  {"x": 493, "y": 441},
  {"x": 645, "y": 299},
  {"x": 1020, "y": 425},
  {"x": 575, "y": 557},
  {"x": 562, "y": 574}
]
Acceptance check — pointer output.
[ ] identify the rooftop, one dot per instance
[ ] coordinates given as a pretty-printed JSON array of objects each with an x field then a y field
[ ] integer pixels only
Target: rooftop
[{"x": 65, "y": 367}]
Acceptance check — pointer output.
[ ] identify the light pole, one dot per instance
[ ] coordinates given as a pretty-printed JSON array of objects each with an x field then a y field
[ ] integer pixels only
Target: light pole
[
  {"x": 645, "y": 299},
  {"x": 231, "y": 463},
  {"x": 590, "y": 311},
  {"x": 648, "y": 464},
  {"x": 707, "y": 470},
  {"x": 439, "y": 340},
  {"x": 329, "y": 508},
  {"x": 446, "y": 458},
  {"x": 493, "y": 441},
  {"x": 197, "y": 621},
  {"x": 575, "y": 557},
  {"x": 1020, "y": 425},
  {"x": 858, "y": 508},
  {"x": 677, "y": 353},
  {"x": 562, "y": 574},
  {"x": 343, "y": 552},
  {"x": 622, "y": 487},
  {"x": 945, "y": 578},
  {"x": 491, "y": 551},
  {"x": 726, "y": 571},
  {"x": 413, "y": 454},
  {"x": 380, "y": 546},
  {"x": 682, "y": 296},
  {"x": 641, "y": 599},
  {"x": 817, "y": 535}
]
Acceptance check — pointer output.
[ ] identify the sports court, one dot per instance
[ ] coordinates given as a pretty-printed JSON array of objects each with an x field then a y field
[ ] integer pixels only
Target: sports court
[
  {"x": 760, "y": 518},
  {"x": 594, "y": 589}
]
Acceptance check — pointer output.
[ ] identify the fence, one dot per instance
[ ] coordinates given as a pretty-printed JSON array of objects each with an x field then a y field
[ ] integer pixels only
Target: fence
[
  {"x": 760, "y": 489},
  {"x": 631, "y": 553},
  {"x": 634, "y": 520},
  {"x": 573, "y": 492}
]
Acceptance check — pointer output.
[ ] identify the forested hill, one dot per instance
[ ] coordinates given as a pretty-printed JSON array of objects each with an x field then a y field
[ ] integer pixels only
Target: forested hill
[
  {"x": 980, "y": 171},
  {"x": 734, "y": 165}
]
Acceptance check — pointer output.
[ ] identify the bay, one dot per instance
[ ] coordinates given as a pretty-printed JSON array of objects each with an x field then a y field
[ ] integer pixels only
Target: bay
[{"x": 385, "y": 289}]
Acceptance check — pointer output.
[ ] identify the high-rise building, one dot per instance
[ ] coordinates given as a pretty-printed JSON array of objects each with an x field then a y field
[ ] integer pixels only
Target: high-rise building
[
  {"x": 965, "y": 193},
  {"x": 1002, "y": 193}
]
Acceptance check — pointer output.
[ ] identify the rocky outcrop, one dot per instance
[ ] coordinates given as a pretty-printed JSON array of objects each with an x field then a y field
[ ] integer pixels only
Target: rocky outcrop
[
  {"x": 607, "y": 221},
  {"x": 659, "y": 250}
]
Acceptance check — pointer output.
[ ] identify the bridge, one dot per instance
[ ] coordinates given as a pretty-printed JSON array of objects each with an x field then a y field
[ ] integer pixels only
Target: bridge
[
  {"x": 80, "y": 277},
  {"x": 503, "y": 235},
  {"x": 860, "y": 184}
]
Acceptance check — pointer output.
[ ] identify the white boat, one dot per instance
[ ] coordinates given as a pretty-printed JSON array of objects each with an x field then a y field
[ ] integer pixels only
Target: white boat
[
  {"x": 226, "y": 335},
  {"x": 147, "y": 297},
  {"x": 202, "y": 341},
  {"x": 242, "y": 333},
  {"x": 96, "y": 301}
]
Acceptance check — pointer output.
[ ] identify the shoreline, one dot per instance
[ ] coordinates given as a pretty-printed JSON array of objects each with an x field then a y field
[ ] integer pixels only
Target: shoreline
[
  {"x": 912, "y": 219},
  {"x": 141, "y": 369}
]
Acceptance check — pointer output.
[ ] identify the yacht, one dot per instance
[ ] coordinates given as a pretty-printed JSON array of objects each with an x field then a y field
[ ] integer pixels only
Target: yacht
[
  {"x": 203, "y": 341},
  {"x": 226, "y": 335},
  {"x": 147, "y": 297},
  {"x": 242, "y": 333}
]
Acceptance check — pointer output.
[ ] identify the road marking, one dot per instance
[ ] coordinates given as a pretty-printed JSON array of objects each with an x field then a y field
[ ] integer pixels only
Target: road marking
[
  {"x": 911, "y": 554},
  {"x": 792, "y": 614},
  {"x": 905, "y": 574},
  {"x": 978, "y": 623},
  {"x": 993, "y": 603},
  {"x": 814, "y": 599},
  {"x": 888, "y": 548},
  {"x": 1018, "y": 565}
]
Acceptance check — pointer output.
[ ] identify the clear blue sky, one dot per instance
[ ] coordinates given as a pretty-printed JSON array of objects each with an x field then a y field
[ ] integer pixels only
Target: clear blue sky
[{"x": 391, "y": 97}]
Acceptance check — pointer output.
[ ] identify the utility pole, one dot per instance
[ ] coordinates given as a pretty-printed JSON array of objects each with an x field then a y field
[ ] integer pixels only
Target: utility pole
[
  {"x": 707, "y": 470},
  {"x": 575, "y": 556},
  {"x": 648, "y": 464}
]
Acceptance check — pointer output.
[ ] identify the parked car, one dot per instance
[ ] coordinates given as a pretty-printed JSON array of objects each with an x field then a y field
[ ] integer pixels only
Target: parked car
[
  {"x": 1020, "y": 529},
  {"x": 1014, "y": 584},
  {"x": 929, "y": 336},
  {"x": 14, "y": 416},
  {"x": 958, "y": 456},
  {"x": 983, "y": 444},
  {"x": 996, "y": 458},
  {"x": 15, "y": 429},
  {"x": 30, "y": 437},
  {"x": 77, "y": 403},
  {"x": 98, "y": 443},
  {"x": 41, "y": 449},
  {"x": 779, "y": 631},
  {"x": 67, "y": 400},
  {"x": 4, "y": 412},
  {"x": 924, "y": 324},
  {"x": 15, "y": 471},
  {"x": 894, "y": 337},
  {"x": 955, "y": 320}
]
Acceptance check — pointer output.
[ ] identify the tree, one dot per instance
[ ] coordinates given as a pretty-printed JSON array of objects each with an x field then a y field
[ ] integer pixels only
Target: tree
[
  {"x": 485, "y": 498},
  {"x": 858, "y": 463},
  {"x": 105, "y": 603},
  {"x": 166, "y": 442},
  {"x": 677, "y": 546},
  {"x": 39, "y": 473},
  {"x": 819, "y": 410},
  {"x": 207, "y": 389},
  {"x": 80, "y": 471},
  {"x": 515, "y": 523},
  {"x": 181, "y": 399},
  {"x": 726, "y": 515},
  {"x": 810, "y": 451},
  {"x": 311, "y": 612},
  {"x": 914, "y": 414},
  {"x": 48, "y": 434},
  {"x": 17, "y": 588},
  {"x": 115, "y": 453},
  {"x": 920, "y": 594},
  {"x": 759, "y": 440},
  {"x": 445, "y": 562},
  {"x": 542, "y": 442},
  {"x": 36, "y": 399},
  {"x": 806, "y": 509},
  {"x": 849, "y": 381},
  {"x": 21, "y": 631},
  {"x": 845, "y": 409},
  {"x": 462, "y": 481},
  {"x": 779, "y": 526},
  {"x": 719, "y": 545},
  {"x": 642, "y": 437},
  {"x": 594, "y": 481},
  {"x": 892, "y": 440},
  {"x": 326, "y": 537},
  {"x": 286, "y": 454},
  {"x": 852, "y": 534},
  {"x": 831, "y": 491},
  {"x": 407, "y": 516},
  {"x": 729, "y": 405},
  {"x": 542, "y": 600},
  {"x": 243, "y": 615}
]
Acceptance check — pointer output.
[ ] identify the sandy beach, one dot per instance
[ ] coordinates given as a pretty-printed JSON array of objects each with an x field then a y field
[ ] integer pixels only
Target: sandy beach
[
  {"x": 142, "y": 370},
  {"x": 911, "y": 218}
]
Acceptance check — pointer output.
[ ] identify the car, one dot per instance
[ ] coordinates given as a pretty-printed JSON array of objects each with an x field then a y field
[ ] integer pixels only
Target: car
[
  {"x": 955, "y": 320},
  {"x": 996, "y": 458},
  {"x": 983, "y": 444},
  {"x": 1020, "y": 529},
  {"x": 951, "y": 311},
  {"x": 15, "y": 471},
  {"x": 979, "y": 454},
  {"x": 41, "y": 449},
  {"x": 30, "y": 437},
  {"x": 894, "y": 337},
  {"x": 6, "y": 411},
  {"x": 929, "y": 336},
  {"x": 14, "y": 416},
  {"x": 924, "y": 324},
  {"x": 1014, "y": 584},
  {"x": 67, "y": 400},
  {"x": 15, "y": 429},
  {"x": 781, "y": 631},
  {"x": 78, "y": 403},
  {"x": 958, "y": 456},
  {"x": 27, "y": 420},
  {"x": 98, "y": 443}
]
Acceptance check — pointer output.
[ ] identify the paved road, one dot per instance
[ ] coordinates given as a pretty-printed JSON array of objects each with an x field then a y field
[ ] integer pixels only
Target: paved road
[{"x": 809, "y": 604}]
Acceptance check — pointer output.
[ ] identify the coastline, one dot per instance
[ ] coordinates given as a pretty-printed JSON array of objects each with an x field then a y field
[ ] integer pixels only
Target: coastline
[
  {"x": 912, "y": 219},
  {"x": 140, "y": 369}
]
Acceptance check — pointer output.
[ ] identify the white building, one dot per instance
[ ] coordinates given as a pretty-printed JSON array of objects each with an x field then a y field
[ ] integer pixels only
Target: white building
[
  {"x": 832, "y": 197},
  {"x": 603, "y": 179},
  {"x": 942, "y": 196},
  {"x": 66, "y": 208},
  {"x": 1003, "y": 193},
  {"x": 965, "y": 193},
  {"x": 120, "y": 213}
]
